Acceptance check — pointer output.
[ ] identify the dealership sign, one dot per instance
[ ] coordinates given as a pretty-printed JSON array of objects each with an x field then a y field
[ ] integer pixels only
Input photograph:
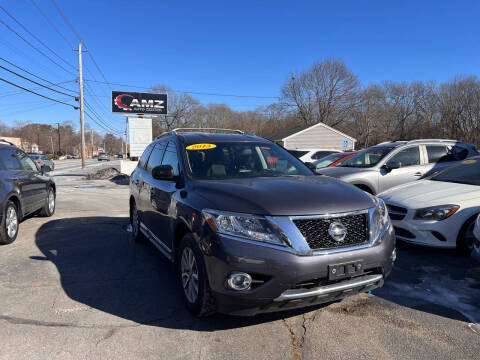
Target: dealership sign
[{"x": 127, "y": 102}]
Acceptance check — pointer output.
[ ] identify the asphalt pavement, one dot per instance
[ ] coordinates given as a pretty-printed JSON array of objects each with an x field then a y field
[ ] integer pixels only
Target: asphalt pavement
[{"x": 76, "y": 286}]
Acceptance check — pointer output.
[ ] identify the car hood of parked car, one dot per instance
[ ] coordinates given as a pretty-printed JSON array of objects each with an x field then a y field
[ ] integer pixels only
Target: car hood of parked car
[
  {"x": 423, "y": 193},
  {"x": 342, "y": 171},
  {"x": 283, "y": 196}
]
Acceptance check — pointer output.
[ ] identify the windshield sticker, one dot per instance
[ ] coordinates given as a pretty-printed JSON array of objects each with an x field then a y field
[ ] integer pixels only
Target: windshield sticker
[
  {"x": 469, "y": 161},
  {"x": 201, "y": 146}
]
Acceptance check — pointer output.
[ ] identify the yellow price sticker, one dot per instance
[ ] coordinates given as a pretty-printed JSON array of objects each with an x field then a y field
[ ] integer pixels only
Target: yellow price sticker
[
  {"x": 469, "y": 161},
  {"x": 201, "y": 146}
]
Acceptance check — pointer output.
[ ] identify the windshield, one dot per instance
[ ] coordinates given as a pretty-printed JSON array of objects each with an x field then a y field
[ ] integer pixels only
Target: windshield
[
  {"x": 466, "y": 172},
  {"x": 327, "y": 160},
  {"x": 241, "y": 160},
  {"x": 368, "y": 157}
]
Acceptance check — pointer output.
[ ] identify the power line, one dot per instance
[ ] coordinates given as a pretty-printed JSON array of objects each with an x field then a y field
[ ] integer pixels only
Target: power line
[
  {"x": 99, "y": 118},
  {"x": 51, "y": 24},
  {"x": 66, "y": 19},
  {"x": 35, "y": 37},
  {"x": 35, "y": 88},
  {"x": 38, "y": 77},
  {"x": 193, "y": 92},
  {"x": 34, "y": 47},
  {"x": 102, "y": 126},
  {"x": 38, "y": 94},
  {"x": 35, "y": 82}
]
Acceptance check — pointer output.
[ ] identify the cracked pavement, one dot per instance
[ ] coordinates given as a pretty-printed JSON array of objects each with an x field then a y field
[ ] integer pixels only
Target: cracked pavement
[{"x": 76, "y": 286}]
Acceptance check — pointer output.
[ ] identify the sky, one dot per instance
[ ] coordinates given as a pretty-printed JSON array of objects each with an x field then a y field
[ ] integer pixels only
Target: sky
[{"x": 243, "y": 48}]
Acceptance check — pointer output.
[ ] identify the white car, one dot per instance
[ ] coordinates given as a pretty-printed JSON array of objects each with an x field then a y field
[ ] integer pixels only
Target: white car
[
  {"x": 476, "y": 244},
  {"x": 310, "y": 155},
  {"x": 439, "y": 211}
]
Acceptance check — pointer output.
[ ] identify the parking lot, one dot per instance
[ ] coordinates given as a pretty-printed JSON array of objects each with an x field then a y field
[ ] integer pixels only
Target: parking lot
[{"x": 77, "y": 286}]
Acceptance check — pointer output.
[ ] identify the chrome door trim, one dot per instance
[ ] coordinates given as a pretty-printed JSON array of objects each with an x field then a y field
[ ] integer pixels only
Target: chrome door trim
[{"x": 164, "y": 249}]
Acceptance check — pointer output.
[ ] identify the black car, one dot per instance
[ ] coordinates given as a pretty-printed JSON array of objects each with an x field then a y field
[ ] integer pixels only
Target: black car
[
  {"x": 251, "y": 229},
  {"x": 24, "y": 190}
]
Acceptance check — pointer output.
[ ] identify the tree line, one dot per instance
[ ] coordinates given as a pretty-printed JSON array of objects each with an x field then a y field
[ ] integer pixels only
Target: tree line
[
  {"x": 331, "y": 93},
  {"x": 62, "y": 139},
  {"x": 327, "y": 92}
]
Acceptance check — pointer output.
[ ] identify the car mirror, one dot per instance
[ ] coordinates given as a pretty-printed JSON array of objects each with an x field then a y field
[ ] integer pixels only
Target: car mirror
[
  {"x": 44, "y": 169},
  {"x": 163, "y": 172},
  {"x": 392, "y": 165}
]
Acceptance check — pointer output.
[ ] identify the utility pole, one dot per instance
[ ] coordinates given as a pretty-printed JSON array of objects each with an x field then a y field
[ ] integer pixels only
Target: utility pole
[
  {"x": 58, "y": 130},
  {"x": 80, "y": 82},
  {"x": 51, "y": 141}
]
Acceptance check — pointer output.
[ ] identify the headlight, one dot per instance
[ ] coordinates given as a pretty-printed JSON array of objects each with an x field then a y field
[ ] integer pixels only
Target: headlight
[
  {"x": 379, "y": 221},
  {"x": 251, "y": 227},
  {"x": 436, "y": 212}
]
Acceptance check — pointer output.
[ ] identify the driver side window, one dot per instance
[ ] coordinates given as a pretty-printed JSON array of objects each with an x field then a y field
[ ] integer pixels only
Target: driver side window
[{"x": 407, "y": 157}]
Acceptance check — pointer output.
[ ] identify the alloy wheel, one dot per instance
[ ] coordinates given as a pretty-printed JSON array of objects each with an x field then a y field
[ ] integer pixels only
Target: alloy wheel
[
  {"x": 135, "y": 224},
  {"x": 51, "y": 202},
  {"x": 11, "y": 222},
  {"x": 189, "y": 271}
]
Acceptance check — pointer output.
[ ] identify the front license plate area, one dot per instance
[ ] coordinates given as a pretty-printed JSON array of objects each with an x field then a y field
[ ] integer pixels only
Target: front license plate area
[{"x": 346, "y": 270}]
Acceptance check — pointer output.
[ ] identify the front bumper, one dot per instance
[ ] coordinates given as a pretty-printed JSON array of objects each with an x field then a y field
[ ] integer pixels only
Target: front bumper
[{"x": 283, "y": 277}]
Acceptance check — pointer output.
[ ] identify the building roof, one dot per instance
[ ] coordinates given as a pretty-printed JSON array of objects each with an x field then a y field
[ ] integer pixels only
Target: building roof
[
  {"x": 282, "y": 134},
  {"x": 287, "y": 133}
]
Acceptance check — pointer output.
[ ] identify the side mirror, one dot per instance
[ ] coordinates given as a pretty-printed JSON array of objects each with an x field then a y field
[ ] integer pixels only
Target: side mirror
[
  {"x": 163, "y": 172},
  {"x": 44, "y": 169},
  {"x": 392, "y": 165}
]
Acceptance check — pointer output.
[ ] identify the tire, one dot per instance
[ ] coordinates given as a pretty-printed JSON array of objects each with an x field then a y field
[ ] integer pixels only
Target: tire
[
  {"x": 135, "y": 223},
  {"x": 9, "y": 224},
  {"x": 193, "y": 276},
  {"x": 466, "y": 238},
  {"x": 50, "y": 203}
]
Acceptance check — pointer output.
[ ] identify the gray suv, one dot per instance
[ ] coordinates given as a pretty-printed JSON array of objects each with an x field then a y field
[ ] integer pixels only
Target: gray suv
[
  {"x": 389, "y": 164},
  {"x": 250, "y": 228}
]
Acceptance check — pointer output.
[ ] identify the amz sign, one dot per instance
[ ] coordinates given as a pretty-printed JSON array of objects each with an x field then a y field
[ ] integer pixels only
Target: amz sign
[{"x": 126, "y": 102}]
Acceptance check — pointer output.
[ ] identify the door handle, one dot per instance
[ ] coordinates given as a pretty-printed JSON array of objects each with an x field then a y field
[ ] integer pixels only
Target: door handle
[{"x": 418, "y": 174}]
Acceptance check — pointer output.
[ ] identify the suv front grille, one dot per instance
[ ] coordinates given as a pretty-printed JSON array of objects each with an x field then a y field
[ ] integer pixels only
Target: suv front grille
[{"x": 315, "y": 231}]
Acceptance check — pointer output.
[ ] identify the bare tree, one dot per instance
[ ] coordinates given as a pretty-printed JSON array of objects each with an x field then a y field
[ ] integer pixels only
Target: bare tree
[{"x": 327, "y": 92}]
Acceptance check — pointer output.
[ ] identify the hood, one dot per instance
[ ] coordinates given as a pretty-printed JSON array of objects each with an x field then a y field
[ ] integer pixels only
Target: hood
[
  {"x": 423, "y": 193},
  {"x": 288, "y": 195},
  {"x": 342, "y": 171}
]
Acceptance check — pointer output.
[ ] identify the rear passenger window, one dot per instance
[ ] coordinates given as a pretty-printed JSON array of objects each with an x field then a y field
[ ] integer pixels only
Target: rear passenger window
[
  {"x": 9, "y": 160},
  {"x": 144, "y": 157},
  {"x": 156, "y": 156},
  {"x": 171, "y": 158},
  {"x": 439, "y": 154},
  {"x": 407, "y": 157}
]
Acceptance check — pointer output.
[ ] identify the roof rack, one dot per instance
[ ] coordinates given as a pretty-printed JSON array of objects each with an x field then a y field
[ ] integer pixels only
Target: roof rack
[
  {"x": 207, "y": 130},
  {"x": 8, "y": 142},
  {"x": 436, "y": 140},
  {"x": 202, "y": 130}
]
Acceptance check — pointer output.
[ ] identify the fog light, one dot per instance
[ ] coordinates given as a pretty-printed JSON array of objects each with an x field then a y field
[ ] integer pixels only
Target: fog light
[
  {"x": 239, "y": 281},
  {"x": 394, "y": 255}
]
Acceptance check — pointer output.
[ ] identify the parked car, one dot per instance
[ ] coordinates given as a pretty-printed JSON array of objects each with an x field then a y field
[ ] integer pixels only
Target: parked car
[
  {"x": 41, "y": 160},
  {"x": 390, "y": 164},
  {"x": 62, "y": 157},
  {"x": 120, "y": 156},
  {"x": 334, "y": 159},
  {"x": 251, "y": 229},
  {"x": 103, "y": 157},
  {"x": 476, "y": 243},
  {"x": 24, "y": 190},
  {"x": 439, "y": 211},
  {"x": 310, "y": 155}
]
